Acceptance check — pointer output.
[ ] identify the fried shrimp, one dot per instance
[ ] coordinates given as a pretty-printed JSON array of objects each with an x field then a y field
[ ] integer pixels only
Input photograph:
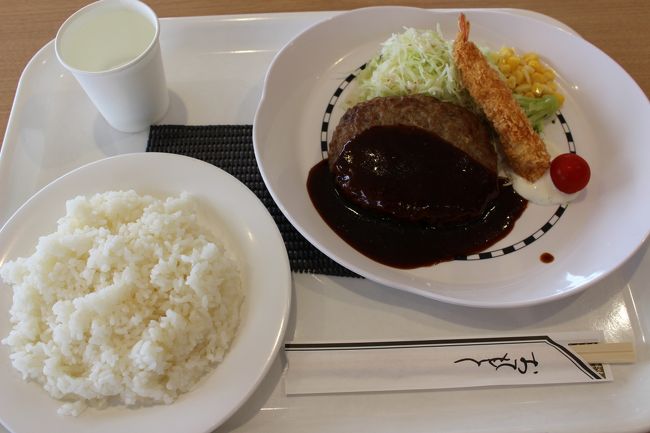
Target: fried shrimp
[{"x": 522, "y": 147}]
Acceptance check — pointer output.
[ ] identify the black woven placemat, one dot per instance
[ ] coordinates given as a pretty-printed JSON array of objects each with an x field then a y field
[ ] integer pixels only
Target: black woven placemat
[{"x": 230, "y": 147}]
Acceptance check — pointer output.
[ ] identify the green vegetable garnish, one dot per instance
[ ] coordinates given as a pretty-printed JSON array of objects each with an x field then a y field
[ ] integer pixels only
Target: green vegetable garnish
[
  {"x": 538, "y": 109},
  {"x": 412, "y": 62}
]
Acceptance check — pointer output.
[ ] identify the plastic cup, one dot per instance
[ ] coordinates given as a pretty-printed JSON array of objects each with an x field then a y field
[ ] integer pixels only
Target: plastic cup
[{"x": 112, "y": 49}]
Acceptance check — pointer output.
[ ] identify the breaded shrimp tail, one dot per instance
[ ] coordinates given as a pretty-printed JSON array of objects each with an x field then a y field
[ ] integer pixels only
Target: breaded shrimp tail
[{"x": 522, "y": 147}]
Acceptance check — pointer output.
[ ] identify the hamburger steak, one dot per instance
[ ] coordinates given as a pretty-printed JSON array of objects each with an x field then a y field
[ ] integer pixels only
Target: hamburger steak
[
  {"x": 455, "y": 124},
  {"x": 416, "y": 159}
]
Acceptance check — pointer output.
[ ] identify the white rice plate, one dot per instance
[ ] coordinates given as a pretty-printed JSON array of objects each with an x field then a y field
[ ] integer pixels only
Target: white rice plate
[{"x": 129, "y": 302}]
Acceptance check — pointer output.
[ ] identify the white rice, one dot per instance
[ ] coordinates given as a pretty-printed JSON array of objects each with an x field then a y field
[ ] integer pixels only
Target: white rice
[{"x": 130, "y": 301}]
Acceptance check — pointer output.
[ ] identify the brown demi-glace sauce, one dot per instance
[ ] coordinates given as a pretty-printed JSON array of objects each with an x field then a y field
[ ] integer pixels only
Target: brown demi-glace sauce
[
  {"x": 404, "y": 244},
  {"x": 388, "y": 170},
  {"x": 546, "y": 258}
]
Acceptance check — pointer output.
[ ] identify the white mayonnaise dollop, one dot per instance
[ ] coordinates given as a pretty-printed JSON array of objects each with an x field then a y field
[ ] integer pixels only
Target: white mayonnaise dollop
[{"x": 542, "y": 191}]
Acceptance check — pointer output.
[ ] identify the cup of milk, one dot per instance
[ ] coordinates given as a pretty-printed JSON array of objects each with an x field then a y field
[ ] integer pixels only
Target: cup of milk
[{"x": 112, "y": 49}]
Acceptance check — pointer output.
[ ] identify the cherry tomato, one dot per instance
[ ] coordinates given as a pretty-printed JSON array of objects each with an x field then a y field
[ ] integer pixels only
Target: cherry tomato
[{"x": 570, "y": 173}]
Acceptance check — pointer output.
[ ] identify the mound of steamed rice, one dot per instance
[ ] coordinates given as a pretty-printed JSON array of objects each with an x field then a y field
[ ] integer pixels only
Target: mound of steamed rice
[{"x": 129, "y": 302}]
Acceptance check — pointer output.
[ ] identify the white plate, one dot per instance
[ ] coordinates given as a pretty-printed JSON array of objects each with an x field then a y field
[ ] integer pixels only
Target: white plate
[
  {"x": 605, "y": 116},
  {"x": 223, "y": 201}
]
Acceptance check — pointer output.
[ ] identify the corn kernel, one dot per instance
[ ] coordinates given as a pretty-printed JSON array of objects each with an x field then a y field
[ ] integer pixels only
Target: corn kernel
[
  {"x": 535, "y": 65},
  {"x": 530, "y": 56},
  {"x": 519, "y": 76},
  {"x": 540, "y": 78},
  {"x": 522, "y": 88},
  {"x": 526, "y": 75}
]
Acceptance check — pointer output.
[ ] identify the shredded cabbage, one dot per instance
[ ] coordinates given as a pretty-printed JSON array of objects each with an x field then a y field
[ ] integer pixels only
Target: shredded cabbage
[{"x": 412, "y": 62}]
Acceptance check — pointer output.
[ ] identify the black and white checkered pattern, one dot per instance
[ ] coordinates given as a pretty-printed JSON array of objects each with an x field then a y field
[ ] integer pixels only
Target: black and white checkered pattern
[{"x": 330, "y": 108}]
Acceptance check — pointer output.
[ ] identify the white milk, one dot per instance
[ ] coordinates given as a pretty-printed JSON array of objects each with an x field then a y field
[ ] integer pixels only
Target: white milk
[
  {"x": 106, "y": 39},
  {"x": 112, "y": 49}
]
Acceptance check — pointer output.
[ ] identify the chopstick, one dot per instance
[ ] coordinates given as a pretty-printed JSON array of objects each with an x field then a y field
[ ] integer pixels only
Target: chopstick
[{"x": 606, "y": 353}]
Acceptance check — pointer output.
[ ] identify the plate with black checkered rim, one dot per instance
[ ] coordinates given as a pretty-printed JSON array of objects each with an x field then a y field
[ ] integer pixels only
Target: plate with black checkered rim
[{"x": 305, "y": 96}]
